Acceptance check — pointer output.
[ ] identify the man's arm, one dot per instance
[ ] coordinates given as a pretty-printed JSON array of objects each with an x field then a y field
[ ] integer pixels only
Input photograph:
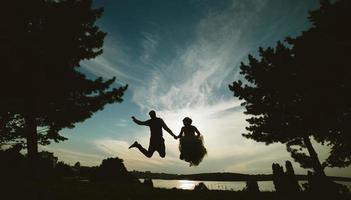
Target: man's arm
[
  {"x": 164, "y": 126},
  {"x": 145, "y": 123}
]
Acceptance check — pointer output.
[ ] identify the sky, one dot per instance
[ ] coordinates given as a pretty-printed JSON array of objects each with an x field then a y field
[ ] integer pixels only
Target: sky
[{"x": 178, "y": 58}]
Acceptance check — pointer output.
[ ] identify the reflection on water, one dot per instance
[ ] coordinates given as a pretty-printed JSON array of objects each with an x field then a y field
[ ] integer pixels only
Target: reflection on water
[
  {"x": 186, "y": 184},
  {"x": 212, "y": 185},
  {"x": 220, "y": 185}
]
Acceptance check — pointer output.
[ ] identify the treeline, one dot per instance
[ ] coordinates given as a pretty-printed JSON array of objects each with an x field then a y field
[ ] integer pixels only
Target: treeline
[
  {"x": 219, "y": 176},
  {"x": 15, "y": 166}
]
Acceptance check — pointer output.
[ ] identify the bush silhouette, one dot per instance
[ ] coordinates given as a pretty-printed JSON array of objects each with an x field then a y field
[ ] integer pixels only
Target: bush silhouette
[
  {"x": 252, "y": 186},
  {"x": 285, "y": 182},
  {"x": 200, "y": 187},
  {"x": 112, "y": 170}
]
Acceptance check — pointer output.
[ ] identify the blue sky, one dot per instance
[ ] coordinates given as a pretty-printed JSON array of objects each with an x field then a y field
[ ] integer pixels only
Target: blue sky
[{"x": 178, "y": 58}]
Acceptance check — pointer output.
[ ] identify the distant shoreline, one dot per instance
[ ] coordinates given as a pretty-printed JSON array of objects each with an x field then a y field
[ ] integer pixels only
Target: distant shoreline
[{"x": 221, "y": 176}]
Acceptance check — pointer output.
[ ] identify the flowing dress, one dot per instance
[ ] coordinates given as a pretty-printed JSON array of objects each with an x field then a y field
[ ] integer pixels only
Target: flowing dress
[{"x": 191, "y": 146}]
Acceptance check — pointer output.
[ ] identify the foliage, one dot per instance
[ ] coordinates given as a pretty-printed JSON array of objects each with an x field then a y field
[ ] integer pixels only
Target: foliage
[
  {"x": 13, "y": 165},
  {"x": 251, "y": 186},
  {"x": 285, "y": 182},
  {"x": 200, "y": 187},
  {"x": 300, "y": 89},
  {"x": 63, "y": 170},
  {"x": 112, "y": 170},
  {"x": 324, "y": 79},
  {"x": 43, "y": 90}
]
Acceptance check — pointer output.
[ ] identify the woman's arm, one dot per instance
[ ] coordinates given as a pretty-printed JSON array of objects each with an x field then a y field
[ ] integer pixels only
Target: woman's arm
[
  {"x": 197, "y": 131},
  {"x": 181, "y": 133}
]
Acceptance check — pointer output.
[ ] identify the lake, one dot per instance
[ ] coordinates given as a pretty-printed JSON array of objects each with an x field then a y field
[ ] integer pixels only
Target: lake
[{"x": 220, "y": 185}]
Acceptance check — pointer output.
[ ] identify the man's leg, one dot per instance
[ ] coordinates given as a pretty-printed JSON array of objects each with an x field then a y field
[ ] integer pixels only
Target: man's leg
[
  {"x": 162, "y": 150},
  {"x": 148, "y": 153}
]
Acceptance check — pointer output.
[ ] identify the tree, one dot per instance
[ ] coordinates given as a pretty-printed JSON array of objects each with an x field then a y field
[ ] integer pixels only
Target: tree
[
  {"x": 43, "y": 91},
  {"x": 300, "y": 90},
  {"x": 112, "y": 170},
  {"x": 63, "y": 170},
  {"x": 322, "y": 52}
]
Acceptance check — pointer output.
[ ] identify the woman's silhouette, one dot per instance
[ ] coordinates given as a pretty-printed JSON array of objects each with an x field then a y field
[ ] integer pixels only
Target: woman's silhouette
[
  {"x": 188, "y": 129},
  {"x": 191, "y": 145}
]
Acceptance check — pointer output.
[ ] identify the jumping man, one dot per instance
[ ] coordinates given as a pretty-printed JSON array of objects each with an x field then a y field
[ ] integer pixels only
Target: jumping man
[{"x": 157, "y": 143}]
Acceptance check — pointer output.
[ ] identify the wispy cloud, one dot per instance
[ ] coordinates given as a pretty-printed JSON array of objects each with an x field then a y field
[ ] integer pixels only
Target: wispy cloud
[
  {"x": 205, "y": 66},
  {"x": 121, "y": 123},
  {"x": 73, "y": 156},
  {"x": 113, "y": 62},
  {"x": 149, "y": 43}
]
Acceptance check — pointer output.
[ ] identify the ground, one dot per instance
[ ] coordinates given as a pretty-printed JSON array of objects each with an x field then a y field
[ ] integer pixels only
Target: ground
[{"x": 69, "y": 190}]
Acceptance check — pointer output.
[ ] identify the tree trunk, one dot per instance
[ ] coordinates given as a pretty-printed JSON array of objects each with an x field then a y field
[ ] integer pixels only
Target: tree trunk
[
  {"x": 32, "y": 143},
  {"x": 314, "y": 157}
]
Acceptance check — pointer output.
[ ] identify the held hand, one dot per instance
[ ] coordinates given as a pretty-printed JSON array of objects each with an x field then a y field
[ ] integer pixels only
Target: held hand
[
  {"x": 174, "y": 136},
  {"x": 133, "y": 118}
]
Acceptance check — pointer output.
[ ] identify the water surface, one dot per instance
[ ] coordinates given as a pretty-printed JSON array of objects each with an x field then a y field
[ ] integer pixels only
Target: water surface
[{"x": 221, "y": 185}]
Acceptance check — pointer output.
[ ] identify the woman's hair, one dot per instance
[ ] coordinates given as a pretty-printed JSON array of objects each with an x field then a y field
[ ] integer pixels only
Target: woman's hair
[{"x": 187, "y": 121}]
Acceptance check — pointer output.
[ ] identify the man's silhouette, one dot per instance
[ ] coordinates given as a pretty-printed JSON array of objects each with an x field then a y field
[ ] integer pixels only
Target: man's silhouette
[{"x": 156, "y": 140}]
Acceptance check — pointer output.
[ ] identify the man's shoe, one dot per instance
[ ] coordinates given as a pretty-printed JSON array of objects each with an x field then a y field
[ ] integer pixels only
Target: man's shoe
[{"x": 135, "y": 144}]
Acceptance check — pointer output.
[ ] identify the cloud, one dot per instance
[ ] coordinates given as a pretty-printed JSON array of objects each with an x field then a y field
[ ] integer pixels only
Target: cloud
[
  {"x": 73, "y": 156},
  {"x": 149, "y": 44},
  {"x": 113, "y": 62},
  {"x": 121, "y": 123},
  {"x": 101, "y": 66},
  {"x": 133, "y": 159},
  {"x": 205, "y": 66}
]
